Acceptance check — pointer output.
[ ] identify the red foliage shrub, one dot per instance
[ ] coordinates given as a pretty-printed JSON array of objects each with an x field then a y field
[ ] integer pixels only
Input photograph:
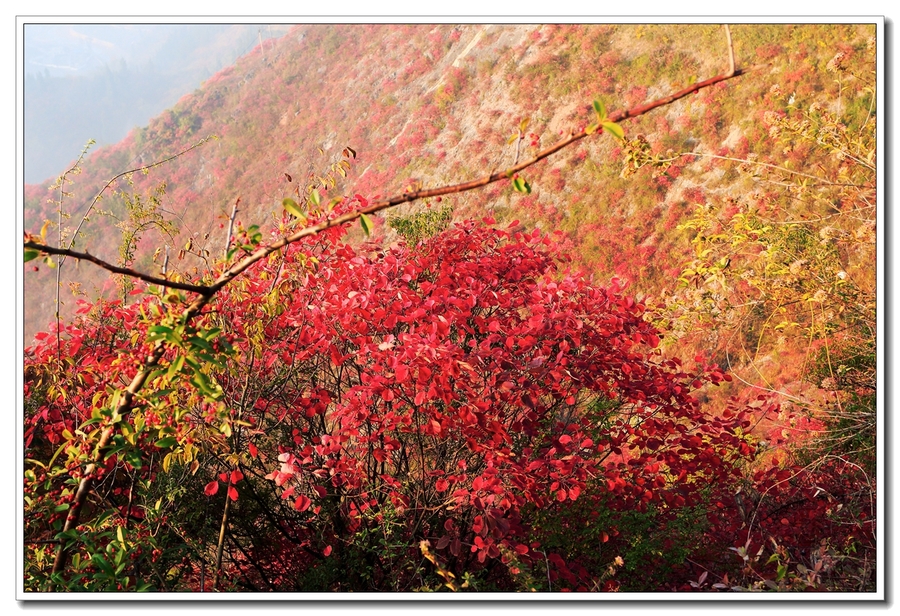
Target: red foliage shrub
[{"x": 451, "y": 388}]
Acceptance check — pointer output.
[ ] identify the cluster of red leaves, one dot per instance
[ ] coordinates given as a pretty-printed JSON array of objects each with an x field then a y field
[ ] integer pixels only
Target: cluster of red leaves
[{"x": 787, "y": 507}]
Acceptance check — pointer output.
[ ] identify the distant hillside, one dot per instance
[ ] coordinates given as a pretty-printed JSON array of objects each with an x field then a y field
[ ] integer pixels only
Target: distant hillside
[
  {"x": 76, "y": 76},
  {"x": 433, "y": 104}
]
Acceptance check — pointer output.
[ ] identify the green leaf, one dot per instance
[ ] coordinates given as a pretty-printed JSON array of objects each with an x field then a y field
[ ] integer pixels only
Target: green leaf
[
  {"x": 165, "y": 443},
  {"x": 521, "y": 185},
  {"x": 155, "y": 374},
  {"x": 162, "y": 330},
  {"x": 176, "y": 366},
  {"x": 31, "y": 254},
  {"x": 291, "y": 206},
  {"x": 196, "y": 341},
  {"x": 600, "y": 108},
  {"x": 201, "y": 382},
  {"x": 90, "y": 422},
  {"x": 615, "y": 129},
  {"x": 315, "y": 198},
  {"x": 366, "y": 223},
  {"x": 591, "y": 128},
  {"x": 133, "y": 457},
  {"x": 225, "y": 429},
  {"x": 780, "y": 572},
  {"x": 101, "y": 562},
  {"x": 58, "y": 451}
]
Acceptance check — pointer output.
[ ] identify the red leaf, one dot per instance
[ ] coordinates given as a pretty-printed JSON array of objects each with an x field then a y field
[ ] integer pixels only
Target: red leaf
[
  {"x": 211, "y": 488},
  {"x": 327, "y": 550},
  {"x": 223, "y": 477},
  {"x": 253, "y": 450},
  {"x": 232, "y": 493},
  {"x": 302, "y": 503},
  {"x": 236, "y": 476}
]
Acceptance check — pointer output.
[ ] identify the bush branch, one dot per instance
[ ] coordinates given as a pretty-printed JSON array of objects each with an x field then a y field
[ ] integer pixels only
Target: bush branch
[{"x": 116, "y": 269}]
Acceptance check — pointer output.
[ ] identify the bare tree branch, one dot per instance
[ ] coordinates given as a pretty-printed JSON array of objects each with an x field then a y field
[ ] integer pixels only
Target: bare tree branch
[
  {"x": 234, "y": 211},
  {"x": 730, "y": 50},
  {"x": 126, "y": 271}
]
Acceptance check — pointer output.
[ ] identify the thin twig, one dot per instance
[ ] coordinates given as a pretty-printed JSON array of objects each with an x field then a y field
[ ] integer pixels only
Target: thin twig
[
  {"x": 518, "y": 144},
  {"x": 59, "y": 234},
  {"x": 731, "y": 67},
  {"x": 234, "y": 211},
  {"x": 124, "y": 173},
  {"x": 221, "y": 545}
]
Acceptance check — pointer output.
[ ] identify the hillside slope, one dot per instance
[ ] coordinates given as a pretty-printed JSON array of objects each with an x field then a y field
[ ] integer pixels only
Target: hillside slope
[{"x": 430, "y": 104}]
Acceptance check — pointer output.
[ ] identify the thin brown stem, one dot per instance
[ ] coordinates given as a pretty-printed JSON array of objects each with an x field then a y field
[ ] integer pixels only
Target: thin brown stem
[
  {"x": 221, "y": 545},
  {"x": 59, "y": 234},
  {"x": 234, "y": 211},
  {"x": 124, "y": 173},
  {"x": 731, "y": 67}
]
